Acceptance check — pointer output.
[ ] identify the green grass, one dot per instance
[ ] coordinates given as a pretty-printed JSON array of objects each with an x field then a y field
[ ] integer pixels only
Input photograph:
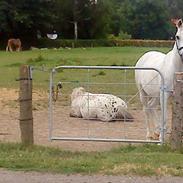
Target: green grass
[
  {"x": 139, "y": 160},
  {"x": 143, "y": 160},
  {"x": 98, "y": 81},
  {"x": 114, "y": 56}
]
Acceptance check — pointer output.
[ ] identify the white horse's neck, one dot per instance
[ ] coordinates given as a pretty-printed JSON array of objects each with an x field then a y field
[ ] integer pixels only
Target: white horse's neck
[
  {"x": 173, "y": 60},
  {"x": 172, "y": 63}
]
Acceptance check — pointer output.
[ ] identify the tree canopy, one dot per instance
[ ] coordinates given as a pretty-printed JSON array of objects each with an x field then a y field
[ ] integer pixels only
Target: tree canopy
[{"x": 95, "y": 19}]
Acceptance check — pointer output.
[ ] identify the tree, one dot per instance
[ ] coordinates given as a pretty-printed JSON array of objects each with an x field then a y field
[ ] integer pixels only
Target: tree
[
  {"x": 92, "y": 18},
  {"x": 116, "y": 23},
  {"x": 24, "y": 18},
  {"x": 175, "y": 8},
  {"x": 101, "y": 19},
  {"x": 146, "y": 19},
  {"x": 87, "y": 19}
]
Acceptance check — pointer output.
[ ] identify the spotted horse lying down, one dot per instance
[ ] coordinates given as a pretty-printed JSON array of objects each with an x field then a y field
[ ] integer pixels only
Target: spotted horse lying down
[{"x": 104, "y": 107}]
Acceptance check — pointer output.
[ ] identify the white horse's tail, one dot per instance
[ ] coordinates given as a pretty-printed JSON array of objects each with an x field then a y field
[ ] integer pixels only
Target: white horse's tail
[{"x": 124, "y": 115}]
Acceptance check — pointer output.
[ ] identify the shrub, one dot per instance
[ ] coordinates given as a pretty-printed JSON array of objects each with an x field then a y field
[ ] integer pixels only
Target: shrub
[
  {"x": 42, "y": 43},
  {"x": 124, "y": 35},
  {"x": 145, "y": 43}
]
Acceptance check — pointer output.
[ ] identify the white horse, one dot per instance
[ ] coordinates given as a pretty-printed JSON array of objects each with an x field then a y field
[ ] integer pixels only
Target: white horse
[
  {"x": 104, "y": 107},
  {"x": 149, "y": 82}
]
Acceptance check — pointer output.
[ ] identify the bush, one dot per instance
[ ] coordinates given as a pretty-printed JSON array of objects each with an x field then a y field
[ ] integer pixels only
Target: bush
[
  {"x": 145, "y": 43},
  {"x": 124, "y": 35},
  {"x": 42, "y": 43},
  {"x": 111, "y": 37},
  {"x": 73, "y": 43}
]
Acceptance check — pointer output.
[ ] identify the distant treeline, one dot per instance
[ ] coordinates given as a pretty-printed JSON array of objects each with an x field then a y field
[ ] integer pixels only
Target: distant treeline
[{"x": 31, "y": 20}]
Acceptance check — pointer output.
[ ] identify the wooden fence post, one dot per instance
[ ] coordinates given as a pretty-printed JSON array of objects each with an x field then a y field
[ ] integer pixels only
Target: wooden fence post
[
  {"x": 25, "y": 98},
  {"x": 177, "y": 117}
]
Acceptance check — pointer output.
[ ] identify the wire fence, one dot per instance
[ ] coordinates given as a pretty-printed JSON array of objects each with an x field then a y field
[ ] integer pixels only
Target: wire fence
[
  {"x": 97, "y": 80},
  {"x": 52, "y": 118}
]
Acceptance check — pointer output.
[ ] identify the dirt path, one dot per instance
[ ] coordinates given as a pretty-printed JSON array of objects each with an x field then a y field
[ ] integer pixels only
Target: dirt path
[
  {"x": 34, "y": 177},
  {"x": 64, "y": 125},
  {"x": 9, "y": 132}
]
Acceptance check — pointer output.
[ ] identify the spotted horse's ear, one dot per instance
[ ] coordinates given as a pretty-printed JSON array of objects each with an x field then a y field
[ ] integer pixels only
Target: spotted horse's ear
[{"x": 177, "y": 22}]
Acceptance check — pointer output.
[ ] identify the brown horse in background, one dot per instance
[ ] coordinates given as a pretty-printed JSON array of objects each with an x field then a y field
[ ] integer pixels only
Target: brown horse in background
[{"x": 13, "y": 45}]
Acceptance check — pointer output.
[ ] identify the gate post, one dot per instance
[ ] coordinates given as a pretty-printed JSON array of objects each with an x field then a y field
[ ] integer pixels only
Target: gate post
[
  {"x": 25, "y": 98},
  {"x": 177, "y": 116}
]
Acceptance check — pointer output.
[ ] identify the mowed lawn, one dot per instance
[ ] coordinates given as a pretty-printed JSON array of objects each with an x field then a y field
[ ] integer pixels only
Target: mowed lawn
[{"x": 146, "y": 160}]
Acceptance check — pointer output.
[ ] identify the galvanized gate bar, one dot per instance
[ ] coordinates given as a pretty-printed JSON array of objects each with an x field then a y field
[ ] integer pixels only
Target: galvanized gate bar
[
  {"x": 162, "y": 91},
  {"x": 104, "y": 140}
]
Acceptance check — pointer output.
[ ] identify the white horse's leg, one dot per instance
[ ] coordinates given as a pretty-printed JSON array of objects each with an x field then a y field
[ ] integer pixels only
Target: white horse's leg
[
  {"x": 157, "y": 124},
  {"x": 144, "y": 99},
  {"x": 147, "y": 120},
  {"x": 153, "y": 123},
  {"x": 153, "y": 104},
  {"x": 164, "y": 108}
]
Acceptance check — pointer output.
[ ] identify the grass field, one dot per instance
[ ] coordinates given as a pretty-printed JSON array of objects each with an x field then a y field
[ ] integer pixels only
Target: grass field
[
  {"x": 114, "y": 56},
  {"x": 139, "y": 160}
]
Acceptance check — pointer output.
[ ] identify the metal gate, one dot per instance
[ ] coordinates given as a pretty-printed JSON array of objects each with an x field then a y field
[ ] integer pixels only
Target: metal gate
[{"x": 116, "y": 80}]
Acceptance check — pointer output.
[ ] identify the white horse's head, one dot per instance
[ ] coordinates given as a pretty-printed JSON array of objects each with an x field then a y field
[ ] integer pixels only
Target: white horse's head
[
  {"x": 179, "y": 36},
  {"x": 77, "y": 92}
]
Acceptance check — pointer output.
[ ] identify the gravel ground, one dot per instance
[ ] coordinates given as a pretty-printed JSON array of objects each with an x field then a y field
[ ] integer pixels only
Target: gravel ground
[{"x": 34, "y": 177}]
